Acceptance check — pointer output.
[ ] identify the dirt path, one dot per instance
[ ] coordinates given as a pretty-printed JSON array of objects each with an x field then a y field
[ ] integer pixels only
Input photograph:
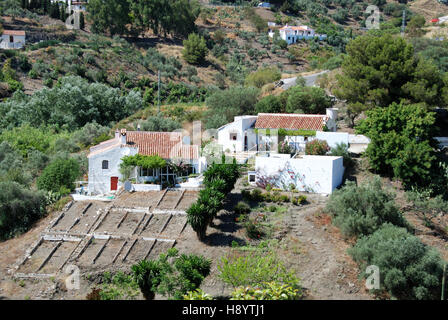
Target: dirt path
[{"x": 325, "y": 268}]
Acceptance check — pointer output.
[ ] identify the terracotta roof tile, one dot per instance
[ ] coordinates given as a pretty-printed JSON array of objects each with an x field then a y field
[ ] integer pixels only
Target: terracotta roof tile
[
  {"x": 167, "y": 145},
  {"x": 291, "y": 121},
  {"x": 14, "y": 32}
]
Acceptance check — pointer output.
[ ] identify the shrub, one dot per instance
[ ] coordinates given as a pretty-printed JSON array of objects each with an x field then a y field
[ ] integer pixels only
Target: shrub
[
  {"x": 255, "y": 269},
  {"x": 362, "y": 210},
  {"x": 195, "y": 49},
  {"x": 263, "y": 76},
  {"x": 197, "y": 294},
  {"x": 341, "y": 150},
  {"x": 310, "y": 100},
  {"x": 256, "y": 195},
  {"x": 267, "y": 291},
  {"x": 119, "y": 286},
  {"x": 269, "y": 104},
  {"x": 241, "y": 208},
  {"x": 147, "y": 275},
  {"x": 246, "y": 194},
  {"x": 254, "y": 230},
  {"x": 59, "y": 175},
  {"x": 171, "y": 274},
  {"x": 19, "y": 209},
  {"x": 408, "y": 268},
  {"x": 317, "y": 147},
  {"x": 158, "y": 123}
]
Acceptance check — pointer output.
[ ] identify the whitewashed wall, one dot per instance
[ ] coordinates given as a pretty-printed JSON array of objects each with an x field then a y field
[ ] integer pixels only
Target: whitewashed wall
[
  {"x": 99, "y": 178},
  {"x": 316, "y": 174},
  {"x": 19, "y": 42},
  {"x": 239, "y": 126},
  {"x": 333, "y": 138}
]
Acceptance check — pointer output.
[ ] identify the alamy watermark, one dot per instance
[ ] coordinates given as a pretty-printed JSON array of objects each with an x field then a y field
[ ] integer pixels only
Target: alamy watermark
[
  {"x": 373, "y": 280},
  {"x": 72, "y": 282}
]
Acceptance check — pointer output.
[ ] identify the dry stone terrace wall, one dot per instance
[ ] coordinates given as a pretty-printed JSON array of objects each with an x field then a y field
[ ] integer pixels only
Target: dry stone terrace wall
[{"x": 95, "y": 235}]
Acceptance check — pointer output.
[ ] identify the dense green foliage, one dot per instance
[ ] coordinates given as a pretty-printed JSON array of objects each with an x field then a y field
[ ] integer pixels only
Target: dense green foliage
[
  {"x": 401, "y": 142},
  {"x": 269, "y": 104},
  {"x": 310, "y": 100},
  {"x": 268, "y": 291},
  {"x": 224, "y": 105},
  {"x": 171, "y": 275},
  {"x": 219, "y": 180},
  {"x": 378, "y": 71},
  {"x": 255, "y": 269},
  {"x": 195, "y": 49},
  {"x": 69, "y": 105},
  {"x": 362, "y": 210},
  {"x": 408, "y": 268},
  {"x": 165, "y": 17},
  {"x": 160, "y": 124},
  {"x": 19, "y": 209},
  {"x": 142, "y": 161},
  {"x": 263, "y": 76},
  {"x": 119, "y": 286},
  {"x": 59, "y": 176}
]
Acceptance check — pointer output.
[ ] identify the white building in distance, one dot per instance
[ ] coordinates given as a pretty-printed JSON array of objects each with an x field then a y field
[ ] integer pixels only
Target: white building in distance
[
  {"x": 292, "y": 34},
  {"x": 13, "y": 39}
]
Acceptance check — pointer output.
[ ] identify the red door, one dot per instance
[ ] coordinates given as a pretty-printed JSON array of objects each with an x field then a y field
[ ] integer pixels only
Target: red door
[{"x": 113, "y": 183}]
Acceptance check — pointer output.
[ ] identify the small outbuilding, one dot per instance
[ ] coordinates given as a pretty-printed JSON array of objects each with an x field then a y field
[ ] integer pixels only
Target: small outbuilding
[{"x": 12, "y": 39}]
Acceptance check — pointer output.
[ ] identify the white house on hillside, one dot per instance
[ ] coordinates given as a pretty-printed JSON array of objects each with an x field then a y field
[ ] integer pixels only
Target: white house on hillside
[
  {"x": 258, "y": 133},
  {"x": 239, "y": 135},
  {"x": 12, "y": 39},
  {"x": 105, "y": 158},
  {"x": 291, "y": 34}
]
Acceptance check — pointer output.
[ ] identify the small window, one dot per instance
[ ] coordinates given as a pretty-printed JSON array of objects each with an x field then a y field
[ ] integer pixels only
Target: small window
[
  {"x": 105, "y": 164},
  {"x": 233, "y": 136},
  {"x": 251, "y": 178}
]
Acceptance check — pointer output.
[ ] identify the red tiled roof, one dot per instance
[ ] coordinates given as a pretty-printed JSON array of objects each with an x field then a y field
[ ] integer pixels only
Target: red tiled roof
[
  {"x": 14, "y": 32},
  {"x": 167, "y": 145},
  {"x": 290, "y": 121}
]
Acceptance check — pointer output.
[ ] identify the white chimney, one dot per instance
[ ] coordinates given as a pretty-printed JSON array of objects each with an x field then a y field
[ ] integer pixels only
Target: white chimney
[
  {"x": 332, "y": 113},
  {"x": 123, "y": 136}
]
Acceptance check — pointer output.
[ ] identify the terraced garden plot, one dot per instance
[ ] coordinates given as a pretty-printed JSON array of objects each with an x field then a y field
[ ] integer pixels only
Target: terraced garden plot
[
  {"x": 159, "y": 247},
  {"x": 110, "y": 222},
  {"x": 170, "y": 200},
  {"x": 70, "y": 216},
  {"x": 174, "y": 227},
  {"x": 139, "y": 199},
  {"x": 138, "y": 252},
  {"x": 87, "y": 220},
  {"x": 59, "y": 257},
  {"x": 110, "y": 251},
  {"x": 33, "y": 263},
  {"x": 86, "y": 259},
  {"x": 130, "y": 223},
  {"x": 187, "y": 200},
  {"x": 155, "y": 225}
]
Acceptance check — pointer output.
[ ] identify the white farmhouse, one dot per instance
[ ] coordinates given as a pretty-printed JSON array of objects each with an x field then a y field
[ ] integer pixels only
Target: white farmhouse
[
  {"x": 259, "y": 133},
  {"x": 291, "y": 34},
  {"x": 105, "y": 158},
  {"x": 239, "y": 135},
  {"x": 12, "y": 39}
]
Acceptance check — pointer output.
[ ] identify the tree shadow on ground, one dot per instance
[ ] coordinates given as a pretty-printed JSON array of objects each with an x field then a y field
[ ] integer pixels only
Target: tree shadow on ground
[{"x": 218, "y": 239}]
